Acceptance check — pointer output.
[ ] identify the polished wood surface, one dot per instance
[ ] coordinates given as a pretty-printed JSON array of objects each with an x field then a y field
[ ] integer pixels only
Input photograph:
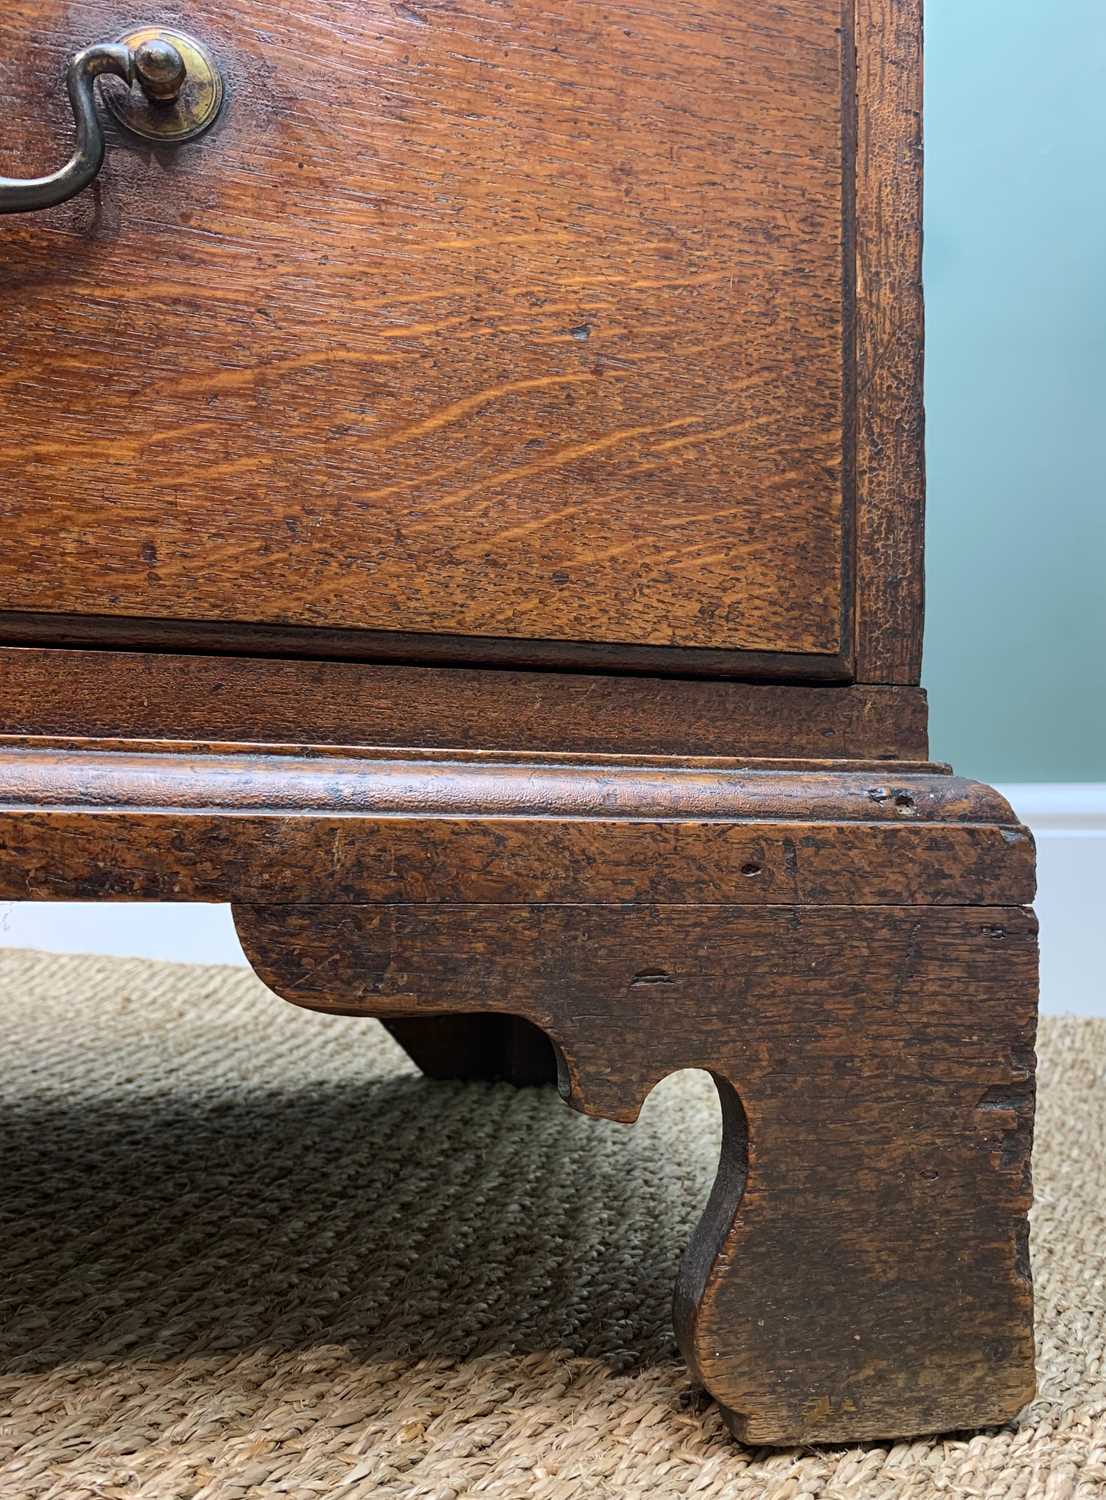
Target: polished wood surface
[
  {"x": 523, "y": 322},
  {"x": 131, "y": 694},
  {"x": 379, "y": 784},
  {"x": 179, "y": 825}
]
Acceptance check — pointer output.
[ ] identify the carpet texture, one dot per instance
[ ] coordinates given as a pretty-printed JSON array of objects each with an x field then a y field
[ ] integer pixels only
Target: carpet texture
[{"x": 248, "y": 1251}]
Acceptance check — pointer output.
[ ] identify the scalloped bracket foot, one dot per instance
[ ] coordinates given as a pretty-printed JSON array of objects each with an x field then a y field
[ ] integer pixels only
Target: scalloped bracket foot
[
  {"x": 847, "y": 952},
  {"x": 860, "y": 1270}
]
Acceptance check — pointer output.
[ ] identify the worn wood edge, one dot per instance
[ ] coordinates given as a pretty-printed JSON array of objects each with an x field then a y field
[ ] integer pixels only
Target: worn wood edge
[
  {"x": 412, "y": 648},
  {"x": 1010, "y": 1101},
  {"x": 889, "y": 333},
  {"x": 476, "y": 757},
  {"x": 363, "y": 786},
  {"x": 143, "y": 825},
  {"x": 968, "y": 1112},
  {"x": 293, "y": 859},
  {"x": 705, "y": 1260},
  {"x": 57, "y": 691}
]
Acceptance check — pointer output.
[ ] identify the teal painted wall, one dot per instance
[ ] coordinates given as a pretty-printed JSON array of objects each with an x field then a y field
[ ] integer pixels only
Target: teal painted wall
[{"x": 1015, "y": 270}]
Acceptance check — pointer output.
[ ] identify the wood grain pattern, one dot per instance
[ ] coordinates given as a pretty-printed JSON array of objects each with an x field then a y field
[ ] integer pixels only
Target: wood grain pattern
[
  {"x": 319, "y": 643},
  {"x": 137, "y": 855},
  {"x": 890, "y": 415},
  {"x": 366, "y": 784},
  {"x": 861, "y": 1270},
  {"x": 122, "y": 825},
  {"x": 162, "y": 696},
  {"x": 490, "y": 321}
]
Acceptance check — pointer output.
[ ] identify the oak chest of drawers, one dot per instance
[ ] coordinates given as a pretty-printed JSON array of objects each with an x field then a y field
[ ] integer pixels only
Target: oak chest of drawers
[{"x": 463, "y": 492}]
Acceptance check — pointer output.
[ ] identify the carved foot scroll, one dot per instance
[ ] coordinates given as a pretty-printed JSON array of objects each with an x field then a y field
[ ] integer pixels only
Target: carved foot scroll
[{"x": 861, "y": 1268}]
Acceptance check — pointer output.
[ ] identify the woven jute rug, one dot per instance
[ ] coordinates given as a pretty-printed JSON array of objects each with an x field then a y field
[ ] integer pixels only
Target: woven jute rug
[{"x": 248, "y": 1251}]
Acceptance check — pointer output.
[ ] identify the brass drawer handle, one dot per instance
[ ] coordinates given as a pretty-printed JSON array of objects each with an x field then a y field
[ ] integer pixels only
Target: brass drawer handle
[{"x": 181, "y": 94}]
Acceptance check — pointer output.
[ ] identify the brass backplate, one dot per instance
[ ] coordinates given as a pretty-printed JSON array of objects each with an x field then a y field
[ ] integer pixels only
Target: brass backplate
[{"x": 193, "y": 110}]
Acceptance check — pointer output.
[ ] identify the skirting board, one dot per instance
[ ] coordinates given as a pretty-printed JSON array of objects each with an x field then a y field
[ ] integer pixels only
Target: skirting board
[{"x": 1068, "y": 820}]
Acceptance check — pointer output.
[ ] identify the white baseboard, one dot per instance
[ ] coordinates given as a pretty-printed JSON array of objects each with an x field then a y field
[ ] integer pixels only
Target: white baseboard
[
  {"x": 1068, "y": 821},
  {"x": 134, "y": 929},
  {"x": 1049, "y": 807}
]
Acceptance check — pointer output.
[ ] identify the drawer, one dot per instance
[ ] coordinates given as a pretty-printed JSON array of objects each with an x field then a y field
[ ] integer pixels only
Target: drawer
[{"x": 504, "y": 322}]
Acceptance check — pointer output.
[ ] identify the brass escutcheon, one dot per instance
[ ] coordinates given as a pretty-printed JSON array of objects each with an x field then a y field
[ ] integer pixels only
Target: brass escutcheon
[{"x": 172, "y": 104}]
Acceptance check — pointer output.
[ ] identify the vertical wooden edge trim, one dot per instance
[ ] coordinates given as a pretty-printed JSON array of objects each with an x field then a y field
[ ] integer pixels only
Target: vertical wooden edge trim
[
  {"x": 890, "y": 460},
  {"x": 848, "y": 336}
]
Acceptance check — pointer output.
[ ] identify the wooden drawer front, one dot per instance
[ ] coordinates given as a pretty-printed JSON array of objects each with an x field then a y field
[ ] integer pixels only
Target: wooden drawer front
[{"x": 504, "y": 320}]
